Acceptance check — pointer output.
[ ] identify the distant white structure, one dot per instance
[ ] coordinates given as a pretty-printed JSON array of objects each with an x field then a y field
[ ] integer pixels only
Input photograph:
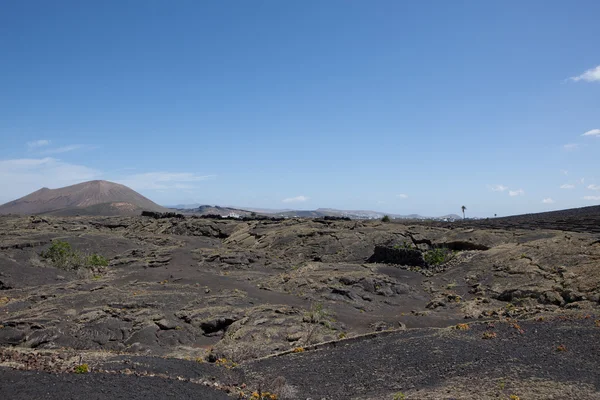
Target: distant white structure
[{"x": 232, "y": 215}]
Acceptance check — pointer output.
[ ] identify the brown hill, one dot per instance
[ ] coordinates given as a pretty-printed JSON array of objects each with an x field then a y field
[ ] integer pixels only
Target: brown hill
[{"x": 87, "y": 198}]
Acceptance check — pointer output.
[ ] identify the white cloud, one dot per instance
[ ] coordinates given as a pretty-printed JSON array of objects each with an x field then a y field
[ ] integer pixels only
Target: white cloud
[
  {"x": 591, "y": 75},
  {"x": 63, "y": 149},
  {"x": 498, "y": 188},
  {"x": 593, "y": 132},
  {"x": 567, "y": 186},
  {"x": 564, "y": 172},
  {"x": 519, "y": 192},
  {"x": 38, "y": 143},
  {"x": 594, "y": 187},
  {"x": 163, "y": 180},
  {"x": 402, "y": 196},
  {"x": 548, "y": 201},
  {"x": 297, "y": 199},
  {"x": 19, "y": 177},
  {"x": 591, "y": 198},
  {"x": 571, "y": 146}
]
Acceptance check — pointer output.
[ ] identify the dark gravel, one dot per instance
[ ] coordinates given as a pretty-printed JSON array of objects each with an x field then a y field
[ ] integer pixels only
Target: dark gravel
[
  {"x": 27, "y": 385},
  {"x": 584, "y": 219},
  {"x": 422, "y": 359}
]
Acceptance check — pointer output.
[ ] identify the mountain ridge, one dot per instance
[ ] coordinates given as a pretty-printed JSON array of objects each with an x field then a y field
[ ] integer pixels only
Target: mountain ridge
[{"x": 96, "y": 197}]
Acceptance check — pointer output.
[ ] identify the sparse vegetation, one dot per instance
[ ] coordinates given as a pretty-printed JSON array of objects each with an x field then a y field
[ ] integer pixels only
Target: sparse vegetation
[
  {"x": 489, "y": 335},
  {"x": 561, "y": 347},
  {"x": 462, "y": 327},
  {"x": 317, "y": 314},
  {"x": 438, "y": 256},
  {"x": 95, "y": 260},
  {"x": 518, "y": 328},
  {"x": 82, "y": 369},
  {"x": 399, "y": 396},
  {"x": 385, "y": 218},
  {"x": 263, "y": 396},
  {"x": 404, "y": 245},
  {"x": 226, "y": 363},
  {"x": 62, "y": 256},
  {"x": 298, "y": 350},
  {"x": 315, "y": 317}
]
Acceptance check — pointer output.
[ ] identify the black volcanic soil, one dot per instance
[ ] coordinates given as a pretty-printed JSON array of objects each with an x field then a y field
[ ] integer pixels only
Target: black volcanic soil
[
  {"x": 235, "y": 306},
  {"x": 584, "y": 219},
  {"x": 26, "y": 385}
]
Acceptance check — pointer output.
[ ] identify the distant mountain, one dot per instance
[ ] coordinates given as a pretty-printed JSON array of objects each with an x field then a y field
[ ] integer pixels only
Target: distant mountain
[
  {"x": 212, "y": 210},
  {"x": 184, "y": 206},
  {"x": 87, "y": 198},
  {"x": 354, "y": 214}
]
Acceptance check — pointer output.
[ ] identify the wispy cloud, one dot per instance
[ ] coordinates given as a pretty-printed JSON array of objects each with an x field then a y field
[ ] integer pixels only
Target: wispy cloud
[
  {"x": 548, "y": 200},
  {"x": 593, "y": 132},
  {"x": 564, "y": 172},
  {"x": 582, "y": 180},
  {"x": 571, "y": 146},
  {"x": 594, "y": 187},
  {"x": 402, "y": 196},
  {"x": 498, "y": 188},
  {"x": 38, "y": 143},
  {"x": 591, "y": 75},
  {"x": 63, "y": 149},
  {"x": 163, "y": 180},
  {"x": 567, "y": 186},
  {"x": 591, "y": 198},
  {"x": 297, "y": 199},
  {"x": 19, "y": 177},
  {"x": 519, "y": 192}
]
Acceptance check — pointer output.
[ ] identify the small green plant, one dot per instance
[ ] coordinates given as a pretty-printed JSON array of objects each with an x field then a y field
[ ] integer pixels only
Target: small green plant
[
  {"x": 298, "y": 350},
  {"x": 385, "y": 218},
  {"x": 226, "y": 363},
  {"x": 438, "y": 256},
  {"x": 452, "y": 285},
  {"x": 404, "y": 246},
  {"x": 317, "y": 314},
  {"x": 95, "y": 260},
  {"x": 399, "y": 396},
  {"x": 62, "y": 255},
  {"x": 316, "y": 317},
  {"x": 82, "y": 369}
]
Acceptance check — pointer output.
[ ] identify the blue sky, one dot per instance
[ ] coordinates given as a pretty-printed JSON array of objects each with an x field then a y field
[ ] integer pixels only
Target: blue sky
[{"x": 404, "y": 107}]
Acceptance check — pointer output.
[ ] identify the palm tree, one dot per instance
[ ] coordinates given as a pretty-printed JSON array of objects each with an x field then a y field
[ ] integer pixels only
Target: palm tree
[{"x": 463, "y": 208}]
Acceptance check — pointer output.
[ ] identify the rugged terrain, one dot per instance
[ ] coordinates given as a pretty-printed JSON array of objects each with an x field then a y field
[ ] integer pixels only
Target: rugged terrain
[{"x": 303, "y": 308}]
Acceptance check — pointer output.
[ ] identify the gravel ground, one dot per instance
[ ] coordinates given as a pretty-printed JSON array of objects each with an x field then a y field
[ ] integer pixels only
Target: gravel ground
[
  {"x": 421, "y": 360},
  {"x": 27, "y": 385}
]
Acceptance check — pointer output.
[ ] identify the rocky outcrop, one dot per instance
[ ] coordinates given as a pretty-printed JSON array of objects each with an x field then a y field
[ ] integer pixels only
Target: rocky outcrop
[{"x": 397, "y": 255}]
